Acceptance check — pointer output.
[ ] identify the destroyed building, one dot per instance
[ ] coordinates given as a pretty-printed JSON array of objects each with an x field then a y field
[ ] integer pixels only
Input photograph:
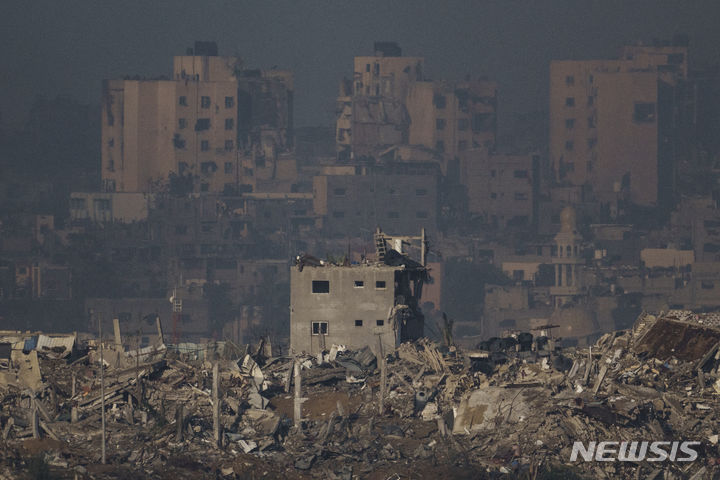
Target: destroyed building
[
  {"x": 212, "y": 124},
  {"x": 356, "y": 305}
]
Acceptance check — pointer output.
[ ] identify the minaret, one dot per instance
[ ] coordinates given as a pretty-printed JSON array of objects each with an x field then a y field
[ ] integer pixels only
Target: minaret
[{"x": 567, "y": 259}]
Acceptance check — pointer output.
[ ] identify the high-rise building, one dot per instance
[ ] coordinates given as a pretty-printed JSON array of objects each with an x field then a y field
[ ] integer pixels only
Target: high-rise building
[
  {"x": 207, "y": 129},
  {"x": 613, "y": 123},
  {"x": 388, "y": 102}
]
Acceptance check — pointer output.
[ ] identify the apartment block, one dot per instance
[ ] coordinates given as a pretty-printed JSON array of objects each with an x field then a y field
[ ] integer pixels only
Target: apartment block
[
  {"x": 206, "y": 129},
  {"x": 388, "y": 102},
  {"x": 613, "y": 123},
  {"x": 355, "y": 205},
  {"x": 502, "y": 189}
]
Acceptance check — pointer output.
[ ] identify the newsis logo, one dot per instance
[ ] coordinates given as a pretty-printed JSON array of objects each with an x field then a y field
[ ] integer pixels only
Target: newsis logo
[{"x": 635, "y": 451}]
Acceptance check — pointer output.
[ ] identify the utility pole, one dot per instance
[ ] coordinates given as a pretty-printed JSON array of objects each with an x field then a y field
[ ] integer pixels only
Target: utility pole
[
  {"x": 102, "y": 388},
  {"x": 216, "y": 403},
  {"x": 383, "y": 373}
]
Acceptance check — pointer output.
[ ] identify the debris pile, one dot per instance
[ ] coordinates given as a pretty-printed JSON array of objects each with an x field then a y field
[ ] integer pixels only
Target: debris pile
[{"x": 512, "y": 407}]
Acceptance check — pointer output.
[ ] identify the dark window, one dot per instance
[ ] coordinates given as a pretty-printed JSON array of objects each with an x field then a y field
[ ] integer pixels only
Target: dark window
[
  {"x": 228, "y": 145},
  {"x": 319, "y": 328},
  {"x": 439, "y": 101},
  {"x": 182, "y": 101},
  {"x": 591, "y": 100},
  {"x": 367, "y": 67},
  {"x": 338, "y": 214},
  {"x": 359, "y": 284},
  {"x": 229, "y": 102},
  {"x": 675, "y": 58},
  {"x": 420, "y": 192},
  {"x": 463, "y": 124},
  {"x": 204, "y": 145},
  {"x": 204, "y": 102},
  {"x": 320, "y": 286},
  {"x": 569, "y": 80},
  {"x": 380, "y": 323},
  {"x": 422, "y": 214},
  {"x": 182, "y": 123},
  {"x": 228, "y": 167},
  {"x": 520, "y": 174},
  {"x": 380, "y": 284},
  {"x": 493, "y": 195},
  {"x": 462, "y": 145},
  {"x": 591, "y": 122},
  {"x": 204, "y": 187},
  {"x": 440, "y": 146},
  {"x": 202, "y": 124},
  {"x": 644, "y": 112},
  {"x": 569, "y": 123},
  {"x": 570, "y": 102},
  {"x": 358, "y": 323},
  {"x": 591, "y": 142},
  {"x": 393, "y": 215},
  {"x": 569, "y": 145},
  {"x": 339, "y": 192},
  {"x": 521, "y": 196},
  {"x": 440, "y": 124},
  {"x": 229, "y": 123}
]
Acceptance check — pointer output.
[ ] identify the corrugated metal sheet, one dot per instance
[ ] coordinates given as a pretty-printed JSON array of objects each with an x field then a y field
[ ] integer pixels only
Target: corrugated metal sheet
[{"x": 65, "y": 341}]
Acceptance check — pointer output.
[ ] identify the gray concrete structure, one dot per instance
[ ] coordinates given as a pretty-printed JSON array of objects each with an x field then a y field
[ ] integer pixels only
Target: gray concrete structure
[{"x": 353, "y": 305}]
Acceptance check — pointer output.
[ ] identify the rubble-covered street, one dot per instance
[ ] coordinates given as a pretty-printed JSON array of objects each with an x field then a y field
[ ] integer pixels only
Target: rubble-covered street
[{"x": 512, "y": 408}]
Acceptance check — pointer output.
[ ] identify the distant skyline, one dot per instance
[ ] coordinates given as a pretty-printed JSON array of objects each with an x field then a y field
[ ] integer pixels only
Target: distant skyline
[{"x": 55, "y": 48}]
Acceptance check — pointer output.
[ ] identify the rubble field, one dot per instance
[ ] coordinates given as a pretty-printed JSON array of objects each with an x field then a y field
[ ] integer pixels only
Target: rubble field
[{"x": 510, "y": 408}]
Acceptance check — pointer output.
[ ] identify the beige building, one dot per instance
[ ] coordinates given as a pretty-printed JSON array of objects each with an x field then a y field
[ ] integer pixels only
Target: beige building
[
  {"x": 388, "y": 102},
  {"x": 102, "y": 207},
  {"x": 452, "y": 117},
  {"x": 610, "y": 127},
  {"x": 502, "y": 189},
  {"x": 212, "y": 124}
]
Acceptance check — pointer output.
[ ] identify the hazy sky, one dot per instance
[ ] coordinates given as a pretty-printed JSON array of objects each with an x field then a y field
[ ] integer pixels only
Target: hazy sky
[{"x": 53, "y": 47}]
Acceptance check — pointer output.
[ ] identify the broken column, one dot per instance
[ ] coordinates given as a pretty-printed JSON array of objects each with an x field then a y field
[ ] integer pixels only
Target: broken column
[{"x": 297, "y": 406}]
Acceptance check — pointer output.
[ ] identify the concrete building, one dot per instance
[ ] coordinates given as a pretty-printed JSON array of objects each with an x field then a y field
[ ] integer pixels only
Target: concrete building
[
  {"x": 355, "y": 305},
  {"x": 101, "y": 207},
  {"x": 371, "y": 106},
  {"x": 613, "y": 123},
  {"x": 204, "y": 130},
  {"x": 452, "y": 117},
  {"x": 397, "y": 201},
  {"x": 389, "y": 103},
  {"x": 502, "y": 189}
]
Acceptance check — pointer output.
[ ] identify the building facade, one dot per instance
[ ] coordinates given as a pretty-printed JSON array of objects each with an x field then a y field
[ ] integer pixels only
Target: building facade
[
  {"x": 206, "y": 129},
  {"x": 612, "y": 123},
  {"x": 354, "y": 306}
]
